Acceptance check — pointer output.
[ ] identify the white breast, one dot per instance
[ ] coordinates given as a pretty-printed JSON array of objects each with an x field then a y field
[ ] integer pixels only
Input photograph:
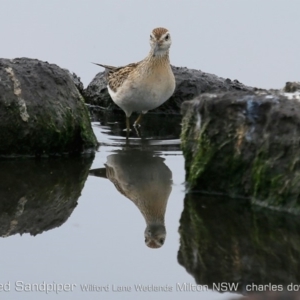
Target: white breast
[{"x": 145, "y": 92}]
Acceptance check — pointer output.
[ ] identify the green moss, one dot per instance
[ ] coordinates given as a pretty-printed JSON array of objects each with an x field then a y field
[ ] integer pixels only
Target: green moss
[
  {"x": 259, "y": 178},
  {"x": 47, "y": 134},
  {"x": 201, "y": 153},
  {"x": 270, "y": 186},
  {"x": 196, "y": 148},
  {"x": 86, "y": 132},
  {"x": 203, "y": 156}
]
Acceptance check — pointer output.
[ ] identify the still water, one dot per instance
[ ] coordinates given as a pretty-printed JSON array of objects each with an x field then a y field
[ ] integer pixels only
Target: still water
[{"x": 114, "y": 226}]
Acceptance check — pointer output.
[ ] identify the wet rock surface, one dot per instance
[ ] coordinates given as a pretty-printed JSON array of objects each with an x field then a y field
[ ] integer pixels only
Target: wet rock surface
[
  {"x": 244, "y": 144},
  {"x": 189, "y": 84},
  {"x": 41, "y": 110}
]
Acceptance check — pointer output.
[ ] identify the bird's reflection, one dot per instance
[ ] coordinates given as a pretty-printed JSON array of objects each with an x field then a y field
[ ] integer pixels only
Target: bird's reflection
[{"x": 143, "y": 178}]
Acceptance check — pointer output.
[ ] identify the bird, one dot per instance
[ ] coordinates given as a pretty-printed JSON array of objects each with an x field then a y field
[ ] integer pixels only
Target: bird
[
  {"x": 145, "y": 85},
  {"x": 144, "y": 179}
]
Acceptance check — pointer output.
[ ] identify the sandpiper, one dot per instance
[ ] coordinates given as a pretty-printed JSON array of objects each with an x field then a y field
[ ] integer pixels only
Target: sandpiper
[{"x": 144, "y": 85}]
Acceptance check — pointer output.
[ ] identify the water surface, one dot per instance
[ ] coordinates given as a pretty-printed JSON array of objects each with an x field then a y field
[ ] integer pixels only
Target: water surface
[
  {"x": 109, "y": 225},
  {"x": 80, "y": 229}
]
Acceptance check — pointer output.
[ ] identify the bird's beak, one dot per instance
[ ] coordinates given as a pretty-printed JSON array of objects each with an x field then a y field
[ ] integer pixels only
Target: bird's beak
[{"x": 157, "y": 46}]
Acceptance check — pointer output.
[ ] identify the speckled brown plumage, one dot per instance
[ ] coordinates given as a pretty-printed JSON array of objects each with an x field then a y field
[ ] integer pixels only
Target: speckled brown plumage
[{"x": 115, "y": 76}]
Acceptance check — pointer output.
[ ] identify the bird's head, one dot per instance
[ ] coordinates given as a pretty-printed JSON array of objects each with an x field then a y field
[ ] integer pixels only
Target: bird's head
[
  {"x": 155, "y": 235},
  {"x": 160, "y": 41}
]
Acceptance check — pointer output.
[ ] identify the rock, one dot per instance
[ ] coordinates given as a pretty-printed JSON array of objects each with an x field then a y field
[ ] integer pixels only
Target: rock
[
  {"x": 76, "y": 80},
  {"x": 96, "y": 93},
  {"x": 291, "y": 87},
  {"x": 225, "y": 241},
  {"x": 39, "y": 195},
  {"x": 189, "y": 84},
  {"x": 41, "y": 110},
  {"x": 244, "y": 144}
]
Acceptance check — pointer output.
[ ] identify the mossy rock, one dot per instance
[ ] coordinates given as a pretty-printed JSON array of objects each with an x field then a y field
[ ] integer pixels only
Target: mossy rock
[
  {"x": 41, "y": 110},
  {"x": 244, "y": 145}
]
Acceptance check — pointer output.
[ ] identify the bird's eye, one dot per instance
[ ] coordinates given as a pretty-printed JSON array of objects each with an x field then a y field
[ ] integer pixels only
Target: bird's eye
[
  {"x": 161, "y": 241},
  {"x": 167, "y": 37},
  {"x": 150, "y": 37}
]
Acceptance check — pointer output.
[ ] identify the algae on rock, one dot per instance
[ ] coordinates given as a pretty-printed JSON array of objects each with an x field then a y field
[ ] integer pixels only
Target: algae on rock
[{"x": 244, "y": 145}]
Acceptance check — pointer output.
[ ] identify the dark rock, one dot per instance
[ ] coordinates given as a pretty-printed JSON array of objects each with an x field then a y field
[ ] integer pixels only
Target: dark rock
[
  {"x": 41, "y": 110},
  {"x": 39, "y": 195},
  {"x": 189, "y": 84},
  {"x": 291, "y": 87},
  {"x": 244, "y": 144},
  {"x": 76, "y": 80},
  {"x": 225, "y": 241}
]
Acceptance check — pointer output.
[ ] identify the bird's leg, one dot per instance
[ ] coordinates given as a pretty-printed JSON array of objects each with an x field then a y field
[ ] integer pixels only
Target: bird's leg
[
  {"x": 138, "y": 121},
  {"x": 127, "y": 125},
  {"x": 137, "y": 131}
]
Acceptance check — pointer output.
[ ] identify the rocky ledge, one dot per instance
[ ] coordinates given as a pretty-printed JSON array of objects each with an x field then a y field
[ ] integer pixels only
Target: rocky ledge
[
  {"x": 189, "y": 84},
  {"x": 245, "y": 144},
  {"x": 41, "y": 110}
]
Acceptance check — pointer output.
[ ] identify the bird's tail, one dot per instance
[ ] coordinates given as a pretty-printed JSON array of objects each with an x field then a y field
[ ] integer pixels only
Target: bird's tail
[
  {"x": 99, "y": 65},
  {"x": 105, "y": 66}
]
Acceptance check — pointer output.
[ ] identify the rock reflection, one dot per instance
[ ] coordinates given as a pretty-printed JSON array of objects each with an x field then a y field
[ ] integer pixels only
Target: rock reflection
[
  {"x": 271, "y": 296},
  {"x": 143, "y": 178},
  {"x": 38, "y": 195},
  {"x": 222, "y": 241}
]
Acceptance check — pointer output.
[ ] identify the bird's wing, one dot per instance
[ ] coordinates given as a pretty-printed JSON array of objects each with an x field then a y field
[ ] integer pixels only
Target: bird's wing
[
  {"x": 110, "y": 173},
  {"x": 117, "y": 75}
]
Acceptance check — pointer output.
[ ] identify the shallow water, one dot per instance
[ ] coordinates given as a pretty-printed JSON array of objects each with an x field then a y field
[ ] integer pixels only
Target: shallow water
[
  {"x": 87, "y": 224},
  {"x": 100, "y": 240}
]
